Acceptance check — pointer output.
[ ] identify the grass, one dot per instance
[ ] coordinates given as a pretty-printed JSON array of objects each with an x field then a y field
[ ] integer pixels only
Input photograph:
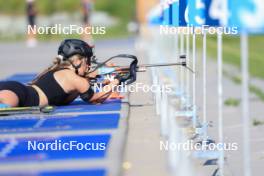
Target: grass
[
  {"x": 231, "y": 52},
  {"x": 123, "y": 10},
  {"x": 257, "y": 122},
  {"x": 231, "y": 55},
  {"x": 232, "y": 102},
  {"x": 252, "y": 88},
  {"x": 117, "y": 31},
  {"x": 257, "y": 91}
]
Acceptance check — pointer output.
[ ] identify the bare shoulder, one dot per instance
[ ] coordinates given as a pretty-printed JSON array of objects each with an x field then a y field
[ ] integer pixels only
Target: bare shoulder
[
  {"x": 67, "y": 73},
  {"x": 79, "y": 83}
]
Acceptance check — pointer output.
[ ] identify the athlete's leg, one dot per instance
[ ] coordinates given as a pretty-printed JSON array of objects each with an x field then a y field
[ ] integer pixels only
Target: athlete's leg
[{"x": 9, "y": 98}]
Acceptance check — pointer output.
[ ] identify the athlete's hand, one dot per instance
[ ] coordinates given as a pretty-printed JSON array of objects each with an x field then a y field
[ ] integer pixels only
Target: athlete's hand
[
  {"x": 116, "y": 95},
  {"x": 122, "y": 78}
]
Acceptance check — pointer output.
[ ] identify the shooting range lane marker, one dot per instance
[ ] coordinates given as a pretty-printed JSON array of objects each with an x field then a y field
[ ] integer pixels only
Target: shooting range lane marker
[
  {"x": 39, "y": 123},
  {"x": 60, "y": 123},
  {"x": 8, "y": 148}
]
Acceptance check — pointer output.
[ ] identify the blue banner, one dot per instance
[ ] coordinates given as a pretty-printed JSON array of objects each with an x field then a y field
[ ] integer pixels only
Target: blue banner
[
  {"x": 199, "y": 13},
  {"x": 247, "y": 15},
  {"x": 196, "y": 12},
  {"x": 178, "y": 12},
  {"x": 175, "y": 13},
  {"x": 189, "y": 13},
  {"x": 155, "y": 16},
  {"x": 209, "y": 19},
  {"x": 167, "y": 13},
  {"x": 183, "y": 12}
]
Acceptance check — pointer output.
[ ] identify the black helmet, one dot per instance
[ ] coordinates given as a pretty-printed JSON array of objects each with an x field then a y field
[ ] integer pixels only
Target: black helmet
[{"x": 70, "y": 47}]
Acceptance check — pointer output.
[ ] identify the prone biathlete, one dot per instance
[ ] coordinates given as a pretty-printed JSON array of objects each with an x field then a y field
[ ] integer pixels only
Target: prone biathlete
[{"x": 61, "y": 83}]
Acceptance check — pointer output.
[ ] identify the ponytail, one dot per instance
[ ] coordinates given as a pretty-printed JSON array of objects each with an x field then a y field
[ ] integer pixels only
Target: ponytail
[{"x": 58, "y": 64}]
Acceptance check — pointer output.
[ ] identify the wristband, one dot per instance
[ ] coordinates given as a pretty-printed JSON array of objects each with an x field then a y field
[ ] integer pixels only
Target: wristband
[{"x": 105, "y": 70}]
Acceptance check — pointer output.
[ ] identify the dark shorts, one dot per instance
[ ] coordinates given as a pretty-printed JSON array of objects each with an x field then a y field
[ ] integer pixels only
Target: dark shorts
[{"x": 27, "y": 95}]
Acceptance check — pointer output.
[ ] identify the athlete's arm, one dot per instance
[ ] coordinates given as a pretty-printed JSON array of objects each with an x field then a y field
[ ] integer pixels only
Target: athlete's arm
[
  {"x": 86, "y": 93},
  {"x": 71, "y": 97},
  {"x": 105, "y": 93}
]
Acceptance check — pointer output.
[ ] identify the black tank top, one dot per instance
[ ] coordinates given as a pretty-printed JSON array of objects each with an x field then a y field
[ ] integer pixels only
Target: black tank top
[{"x": 51, "y": 88}]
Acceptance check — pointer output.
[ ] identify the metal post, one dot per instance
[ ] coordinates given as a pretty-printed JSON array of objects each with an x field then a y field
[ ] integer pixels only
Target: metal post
[
  {"x": 187, "y": 72},
  {"x": 245, "y": 104},
  {"x": 220, "y": 102},
  {"x": 177, "y": 54},
  {"x": 181, "y": 69},
  {"x": 204, "y": 88},
  {"x": 173, "y": 137},
  {"x": 194, "y": 81},
  {"x": 164, "y": 114},
  {"x": 158, "y": 93}
]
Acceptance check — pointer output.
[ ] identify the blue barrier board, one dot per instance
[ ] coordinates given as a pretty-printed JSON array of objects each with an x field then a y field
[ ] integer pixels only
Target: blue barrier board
[
  {"x": 89, "y": 108},
  {"x": 57, "y": 148},
  {"x": 23, "y": 78},
  {"x": 17, "y": 123},
  {"x": 99, "y": 172},
  {"x": 56, "y": 123},
  {"x": 84, "y": 172}
]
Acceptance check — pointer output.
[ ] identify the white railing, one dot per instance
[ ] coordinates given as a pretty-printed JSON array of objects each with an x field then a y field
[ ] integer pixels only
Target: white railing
[{"x": 181, "y": 102}]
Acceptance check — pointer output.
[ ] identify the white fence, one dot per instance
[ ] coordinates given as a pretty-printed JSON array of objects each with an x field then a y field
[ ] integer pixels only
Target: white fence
[{"x": 181, "y": 106}]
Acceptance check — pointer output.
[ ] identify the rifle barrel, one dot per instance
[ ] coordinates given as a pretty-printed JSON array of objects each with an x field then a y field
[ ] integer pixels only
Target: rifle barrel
[{"x": 161, "y": 65}]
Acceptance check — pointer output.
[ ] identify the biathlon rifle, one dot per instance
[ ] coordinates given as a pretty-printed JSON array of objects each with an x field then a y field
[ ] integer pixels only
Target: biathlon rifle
[
  {"x": 26, "y": 110},
  {"x": 133, "y": 68}
]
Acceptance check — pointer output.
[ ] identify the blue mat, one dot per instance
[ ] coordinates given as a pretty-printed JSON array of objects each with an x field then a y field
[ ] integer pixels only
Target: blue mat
[
  {"x": 99, "y": 172},
  {"x": 23, "y": 78},
  {"x": 91, "y": 172},
  {"x": 88, "y": 108},
  {"x": 56, "y": 123},
  {"x": 97, "y": 144},
  {"x": 17, "y": 123},
  {"x": 78, "y": 101},
  {"x": 67, "y": 148},
  {"x": 2, "y": 145}
]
